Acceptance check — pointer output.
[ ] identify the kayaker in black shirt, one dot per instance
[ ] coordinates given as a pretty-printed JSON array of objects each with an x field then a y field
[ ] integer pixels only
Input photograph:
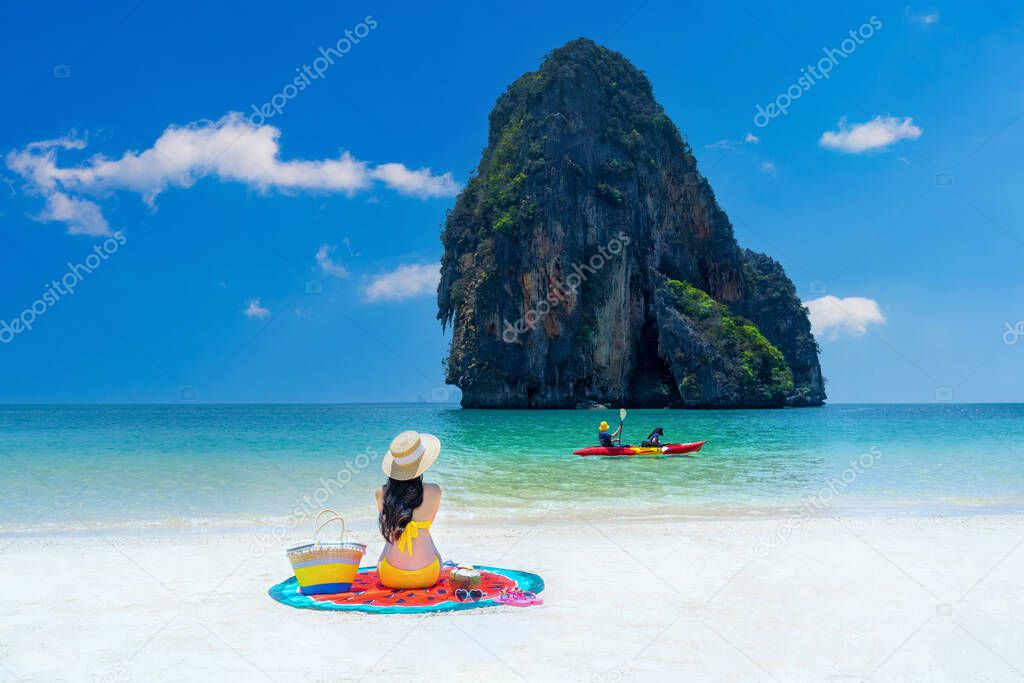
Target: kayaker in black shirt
[{"x": 654, "y": 438}]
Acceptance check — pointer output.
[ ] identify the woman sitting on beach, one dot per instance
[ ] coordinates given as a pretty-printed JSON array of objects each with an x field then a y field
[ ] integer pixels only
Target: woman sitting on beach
[{"x": 406, "y": 507}]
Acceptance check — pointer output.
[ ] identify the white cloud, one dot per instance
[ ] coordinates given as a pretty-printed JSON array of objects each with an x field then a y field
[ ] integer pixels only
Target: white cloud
[
  {"x": 419, "y": 183},
  {"x": 404, "y": 282},
  {"x": 832, "y": 316},
  {"x": 720, "y": 144},
  {"x": 256, "y": 310},
  {"x": 230, "y": 149},
  {"x": 878, "y": 133},
  {"x": 767, "y": 167},
  {"x": 729, "y": 145},
  {"x": 327, "y": 264},
  {"x": 80, "y": 215},
  {"x": 926, "y": 18}
]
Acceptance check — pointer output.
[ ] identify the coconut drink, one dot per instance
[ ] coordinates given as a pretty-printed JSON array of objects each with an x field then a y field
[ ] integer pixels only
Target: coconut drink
[{"x": 464, "y": 576}]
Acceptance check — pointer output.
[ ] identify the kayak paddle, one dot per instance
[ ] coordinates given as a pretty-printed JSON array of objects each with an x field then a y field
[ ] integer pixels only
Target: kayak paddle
[{"x": 622, "y": 418}]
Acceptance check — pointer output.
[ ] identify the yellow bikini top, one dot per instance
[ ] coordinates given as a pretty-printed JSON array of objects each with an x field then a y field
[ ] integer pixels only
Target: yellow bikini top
[{"x": 412, "y": 530}]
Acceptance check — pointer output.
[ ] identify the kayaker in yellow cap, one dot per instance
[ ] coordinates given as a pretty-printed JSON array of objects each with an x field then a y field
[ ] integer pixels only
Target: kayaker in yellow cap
[{"x": 604, "y": 437}]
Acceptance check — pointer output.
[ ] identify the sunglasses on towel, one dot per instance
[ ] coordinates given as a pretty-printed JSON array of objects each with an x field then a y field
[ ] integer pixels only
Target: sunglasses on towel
[{"x": 462, "y": 595}]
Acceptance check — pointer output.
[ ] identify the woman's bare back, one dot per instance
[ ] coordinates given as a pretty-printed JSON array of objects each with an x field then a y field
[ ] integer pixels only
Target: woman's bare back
[{"x": 423, "y": 549}]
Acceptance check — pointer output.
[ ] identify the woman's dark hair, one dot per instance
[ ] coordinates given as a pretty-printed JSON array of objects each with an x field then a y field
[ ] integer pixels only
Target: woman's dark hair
[
  {"x": 399, "y": 500},
  {"x": 657, "y": 430}
]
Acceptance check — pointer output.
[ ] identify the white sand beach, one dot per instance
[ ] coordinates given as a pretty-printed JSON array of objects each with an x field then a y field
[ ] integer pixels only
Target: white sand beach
[{"x": 845, "y": 599}]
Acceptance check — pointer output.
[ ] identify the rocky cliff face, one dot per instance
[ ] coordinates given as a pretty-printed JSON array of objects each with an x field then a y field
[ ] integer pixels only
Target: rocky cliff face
[{"x": 588, "y": 259}]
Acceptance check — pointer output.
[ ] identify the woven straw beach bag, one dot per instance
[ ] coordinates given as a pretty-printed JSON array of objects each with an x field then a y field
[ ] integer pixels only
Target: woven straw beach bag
[{"x": 326, "y": 566}]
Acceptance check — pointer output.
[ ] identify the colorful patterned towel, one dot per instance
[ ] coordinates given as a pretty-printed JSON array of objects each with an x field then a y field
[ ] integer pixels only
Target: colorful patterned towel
[{"x": 367, "y": 595}]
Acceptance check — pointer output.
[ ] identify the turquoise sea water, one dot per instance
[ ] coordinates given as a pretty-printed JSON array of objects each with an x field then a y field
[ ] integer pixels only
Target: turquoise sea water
[{"x": 182, "y": 464}]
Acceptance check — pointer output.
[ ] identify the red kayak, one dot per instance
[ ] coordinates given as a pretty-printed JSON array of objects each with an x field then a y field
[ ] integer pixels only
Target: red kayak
[{"x": 629, "y": 451}]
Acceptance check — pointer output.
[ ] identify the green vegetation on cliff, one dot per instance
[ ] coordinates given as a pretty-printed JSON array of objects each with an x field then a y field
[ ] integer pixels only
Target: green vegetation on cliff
[{"x": 763, "y": 368}]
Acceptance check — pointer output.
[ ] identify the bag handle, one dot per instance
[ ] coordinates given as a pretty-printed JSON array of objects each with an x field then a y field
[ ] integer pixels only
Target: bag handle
[{"x": 320, "y": 525}]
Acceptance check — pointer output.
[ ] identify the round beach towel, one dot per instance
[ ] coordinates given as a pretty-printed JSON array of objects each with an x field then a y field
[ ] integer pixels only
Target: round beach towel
[{"x": 368, "y": 595}]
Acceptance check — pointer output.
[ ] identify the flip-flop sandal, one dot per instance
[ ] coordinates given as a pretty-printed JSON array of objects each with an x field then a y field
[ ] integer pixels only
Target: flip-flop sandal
[
  {"x": 517, "y": 598},
  {"x": 531, "y": 596}
]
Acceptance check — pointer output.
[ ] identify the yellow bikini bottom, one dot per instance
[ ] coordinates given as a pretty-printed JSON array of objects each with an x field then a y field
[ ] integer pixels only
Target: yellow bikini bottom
[{"x": 393, "y": 577}]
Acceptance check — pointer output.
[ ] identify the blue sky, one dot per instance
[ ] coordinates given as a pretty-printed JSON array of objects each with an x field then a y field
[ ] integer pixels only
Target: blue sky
[{"x": 892, "y": 185}]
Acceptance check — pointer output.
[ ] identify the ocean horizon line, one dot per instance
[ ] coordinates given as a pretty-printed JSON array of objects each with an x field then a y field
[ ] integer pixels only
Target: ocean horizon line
[{"x": 187, "y": 404}]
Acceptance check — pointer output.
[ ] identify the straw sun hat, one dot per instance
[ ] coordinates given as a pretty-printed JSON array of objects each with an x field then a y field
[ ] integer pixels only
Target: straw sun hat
[{"x": 410, "y": 455}]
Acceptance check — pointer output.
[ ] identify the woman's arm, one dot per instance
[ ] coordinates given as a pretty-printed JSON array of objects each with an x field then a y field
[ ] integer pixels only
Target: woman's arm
[
  {"x": 433, "y": 495},
  {"x": 436, "y": 496},
  {"x": 378, "y": 494}
]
